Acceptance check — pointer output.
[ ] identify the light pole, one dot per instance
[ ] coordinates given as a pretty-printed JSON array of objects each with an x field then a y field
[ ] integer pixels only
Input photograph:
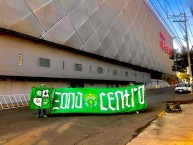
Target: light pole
[{"x": 188, "y": 48}]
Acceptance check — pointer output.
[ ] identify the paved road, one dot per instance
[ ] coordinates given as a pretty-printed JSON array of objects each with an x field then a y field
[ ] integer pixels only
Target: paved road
[
  {"x": 169, "y": 129},
  {"x": 19, "y": 126}
]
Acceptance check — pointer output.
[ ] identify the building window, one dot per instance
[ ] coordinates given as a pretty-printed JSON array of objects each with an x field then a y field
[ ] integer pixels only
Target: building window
[
  {"x": 90, "y": 68},
  {"x": 44, "y": 62},
  {"x": 126, "y": 74},
  {"x": 20, "y": 59},
  {"x": 121, "y": 73},
  {"x": 108, "y": 71},
  {"x": 100, "y": 70},
  {"x": 63, "y": 65},
  {"x": 78, "y": 67},
  {"x": 142, "y": 75},
  {"x": 114, "y": 72},
  {"x": 135, "y": 74}
]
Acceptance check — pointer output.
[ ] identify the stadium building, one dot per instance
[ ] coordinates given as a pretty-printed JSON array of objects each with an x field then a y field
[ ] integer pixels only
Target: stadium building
[{"x": 88, "y": 43}]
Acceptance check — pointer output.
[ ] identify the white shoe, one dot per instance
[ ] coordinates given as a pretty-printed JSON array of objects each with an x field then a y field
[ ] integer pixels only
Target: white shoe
[
  {"x": 45, "y": 116},
  {"x": 37, "y": 116}
]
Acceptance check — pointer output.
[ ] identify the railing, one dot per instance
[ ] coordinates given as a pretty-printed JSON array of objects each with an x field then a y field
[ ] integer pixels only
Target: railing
[{"x": 14, "y": 101}]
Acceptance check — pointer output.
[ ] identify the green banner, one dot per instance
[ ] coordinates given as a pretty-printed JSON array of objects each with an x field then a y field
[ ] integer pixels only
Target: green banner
[
  {"x": 41, "y": 98},
  {"x": 98, "y": 100}
]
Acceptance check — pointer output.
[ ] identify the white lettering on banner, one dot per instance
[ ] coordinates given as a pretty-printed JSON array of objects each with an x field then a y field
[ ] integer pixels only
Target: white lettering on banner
[
  {"x": 62, "y": 101},
  {"x": 73, "y": 99},
  {"x": 124, "y": 99},
  {"x": 126, "y": 96},
  {"x": 58, "y": 93},
  {"x": 132, "y": 96},
  {"x": 101, "y": 101},
  {"x": 79, "y": 99},
  {"x": 123, "y": 96},
  {"x": 117, "y": 98},
  {"x": 69, "y": 100},
  {"x": 110, "y": 99},
  {"x": 141, "y": 96}
]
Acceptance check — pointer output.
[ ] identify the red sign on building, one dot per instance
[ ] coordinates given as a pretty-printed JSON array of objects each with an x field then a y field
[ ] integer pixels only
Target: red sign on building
[{"x": 164, "y": 45}]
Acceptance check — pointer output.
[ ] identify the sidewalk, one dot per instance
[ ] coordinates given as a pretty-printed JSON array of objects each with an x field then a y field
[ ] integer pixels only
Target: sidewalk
[{"x": 170, "y": 128}]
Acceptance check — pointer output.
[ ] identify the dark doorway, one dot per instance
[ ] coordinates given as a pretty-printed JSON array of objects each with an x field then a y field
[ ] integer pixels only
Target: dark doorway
[{"x": 77, "y": 84}]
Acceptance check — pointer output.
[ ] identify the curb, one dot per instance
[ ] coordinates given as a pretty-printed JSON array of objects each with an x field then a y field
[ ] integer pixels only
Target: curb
[{"x": 161, "y": 114}]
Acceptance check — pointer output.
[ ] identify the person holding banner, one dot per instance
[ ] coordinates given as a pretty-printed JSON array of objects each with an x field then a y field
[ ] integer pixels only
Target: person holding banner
[
  {"x": 41, "y": 99},
  {"x": 39, "y": 113},
  {"x": 42, "y": 110}
]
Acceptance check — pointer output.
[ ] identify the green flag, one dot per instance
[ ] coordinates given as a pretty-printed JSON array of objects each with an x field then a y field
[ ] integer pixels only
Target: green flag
[
  {"x": 41, "y": 97},
  {"x": 88, "y": 100}
]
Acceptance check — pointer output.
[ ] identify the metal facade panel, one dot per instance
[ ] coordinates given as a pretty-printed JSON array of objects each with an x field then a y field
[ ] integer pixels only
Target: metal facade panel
[
  {"x": 69, "y": 5},
  {"x": 59, "y": 33},
  {"x": 74, "y": 41},
  {"x": 101, "y": 50},
  {"x": 123, "y": 48},
  {"x": 112, "y": 51},
  {"x": 96, "y": 17},
  {"x": 103, "y": 30},
  {"x": 92, "y": 43},
  {"x": 36, "y": 4},
  {"x": 29, "y": 25},
  {"x": 12, "y": 11},
  {"x": 125, "y": 30},
  {"x": 119, "y": 56},
  {"x": 49, "y": 14},
  {"x": 114, "y": 28},
  {"x": 100, "y": 1},
  {"x": 91, "y": 6},
  {"x": 119, "y": 38},
  {"x": 85, "y": 30},
  {"x": 107, "y": 40},
  {"x": 78, "y": 16}
]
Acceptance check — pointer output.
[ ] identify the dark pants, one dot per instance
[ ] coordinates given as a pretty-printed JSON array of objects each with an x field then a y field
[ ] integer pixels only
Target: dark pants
[{"x": 39, "y": 112}]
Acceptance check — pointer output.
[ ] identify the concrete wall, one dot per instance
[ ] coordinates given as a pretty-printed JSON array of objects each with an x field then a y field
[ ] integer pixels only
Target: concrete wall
[
  {"x": 11, "y": 47},
  {"x": 10, "y": 87}
]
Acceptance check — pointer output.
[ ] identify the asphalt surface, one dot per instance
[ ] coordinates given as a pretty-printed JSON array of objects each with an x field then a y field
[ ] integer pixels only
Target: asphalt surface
[
  {"x": 19, "y": 126},
  {"x": 171, "y": 128}
]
